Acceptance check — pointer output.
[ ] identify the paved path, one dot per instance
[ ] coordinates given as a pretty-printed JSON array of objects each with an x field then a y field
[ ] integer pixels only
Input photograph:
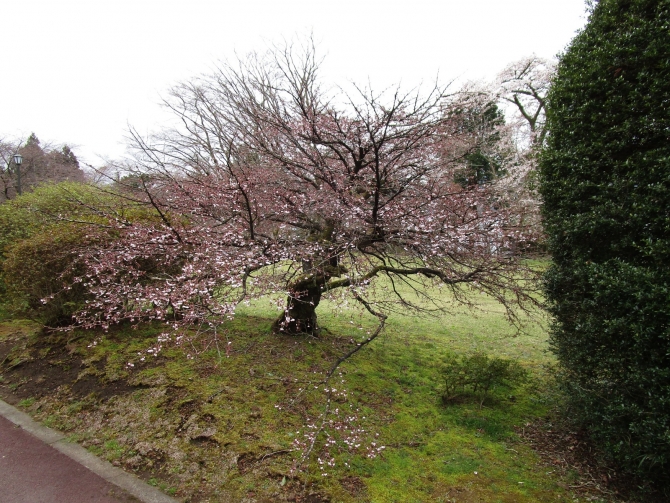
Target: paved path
[{"x": 37, "y": 465}]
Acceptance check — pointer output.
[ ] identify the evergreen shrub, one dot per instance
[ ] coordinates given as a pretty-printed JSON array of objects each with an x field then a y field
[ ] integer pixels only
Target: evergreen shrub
[{"x": 605, "y": 182}]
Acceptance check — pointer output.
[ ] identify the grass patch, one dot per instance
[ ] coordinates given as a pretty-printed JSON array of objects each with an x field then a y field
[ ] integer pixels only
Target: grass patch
[{"x": 27, "y": 402}]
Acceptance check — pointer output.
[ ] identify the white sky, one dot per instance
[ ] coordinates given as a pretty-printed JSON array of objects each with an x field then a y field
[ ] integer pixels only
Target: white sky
[{"x": 80, "y": 71}]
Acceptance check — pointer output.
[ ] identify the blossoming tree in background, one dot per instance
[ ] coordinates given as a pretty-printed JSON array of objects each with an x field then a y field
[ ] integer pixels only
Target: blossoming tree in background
[{"x": 521, "y": 88}]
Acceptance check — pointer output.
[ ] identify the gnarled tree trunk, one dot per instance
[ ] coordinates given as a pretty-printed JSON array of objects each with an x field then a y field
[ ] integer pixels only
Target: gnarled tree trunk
[
  {"x": 300, "y": 314},
  {"x": 304, "y": 296}
]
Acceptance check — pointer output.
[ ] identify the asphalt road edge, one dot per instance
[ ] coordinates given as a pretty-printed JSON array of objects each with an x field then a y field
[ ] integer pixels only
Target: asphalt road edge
[{"x": 126, "y": 481}]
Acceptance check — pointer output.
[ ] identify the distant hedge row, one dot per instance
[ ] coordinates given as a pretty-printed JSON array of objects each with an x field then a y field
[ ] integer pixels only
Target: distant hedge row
[{"x": 605, "y": 181}]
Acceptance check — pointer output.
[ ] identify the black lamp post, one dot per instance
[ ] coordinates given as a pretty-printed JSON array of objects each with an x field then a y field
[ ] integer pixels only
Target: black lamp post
[{"x": 18, "y": 159}]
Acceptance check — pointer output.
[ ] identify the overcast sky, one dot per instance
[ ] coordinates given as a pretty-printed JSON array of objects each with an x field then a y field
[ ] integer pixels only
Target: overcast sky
[{"x": 80, "y": 71}]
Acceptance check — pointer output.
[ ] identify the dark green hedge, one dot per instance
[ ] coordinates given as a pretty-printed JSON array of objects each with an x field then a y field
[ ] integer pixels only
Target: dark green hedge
[{"x": 605, "y": 182}]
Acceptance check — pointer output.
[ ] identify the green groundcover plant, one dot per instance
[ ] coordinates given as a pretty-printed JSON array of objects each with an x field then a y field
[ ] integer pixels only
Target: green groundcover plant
[{"x": 479, "y": 374}]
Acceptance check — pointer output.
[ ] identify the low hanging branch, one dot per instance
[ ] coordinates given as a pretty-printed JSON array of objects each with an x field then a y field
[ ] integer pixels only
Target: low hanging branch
[
  {"x": 324, "y": 416},
  {"x": 382, "y": 323}
]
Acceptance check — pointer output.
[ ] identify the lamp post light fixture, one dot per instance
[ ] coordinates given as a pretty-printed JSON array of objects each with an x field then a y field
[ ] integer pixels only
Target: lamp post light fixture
[{"x": 18, "y": 159}]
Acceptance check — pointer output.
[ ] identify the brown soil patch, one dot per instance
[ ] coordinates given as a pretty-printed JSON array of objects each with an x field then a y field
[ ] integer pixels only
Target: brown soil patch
[
  {"x": 5, "y": 349},
  {"x": 570, "y": 451},
  {"x": 354, "y": 485},
  {"x": 36, "y": 376}
]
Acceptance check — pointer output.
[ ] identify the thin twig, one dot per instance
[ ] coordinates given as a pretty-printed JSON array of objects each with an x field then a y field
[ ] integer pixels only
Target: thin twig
[
  {"x": 382, "y": 322},
  {"x": 275, "y": 453}
]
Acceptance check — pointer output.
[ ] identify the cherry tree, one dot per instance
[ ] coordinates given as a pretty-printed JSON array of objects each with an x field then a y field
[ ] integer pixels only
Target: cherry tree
[
  {"x": 524, "y": 85},
  {"x": 272, "y": 183},
  {"x": 521, "y": 88}
]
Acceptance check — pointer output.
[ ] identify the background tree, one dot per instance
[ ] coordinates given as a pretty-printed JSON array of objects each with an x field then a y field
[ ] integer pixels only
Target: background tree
[
  {"x": 524, "y": 85},
  {"x": 520, "y": 89},
  {"x": 605, "y": 184},
  {"x": 481, "y": 118},
  {"x": 7, "y": 170},
  {"x": 40, "y": 164},
  {"x": 274, "y": 185}
]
